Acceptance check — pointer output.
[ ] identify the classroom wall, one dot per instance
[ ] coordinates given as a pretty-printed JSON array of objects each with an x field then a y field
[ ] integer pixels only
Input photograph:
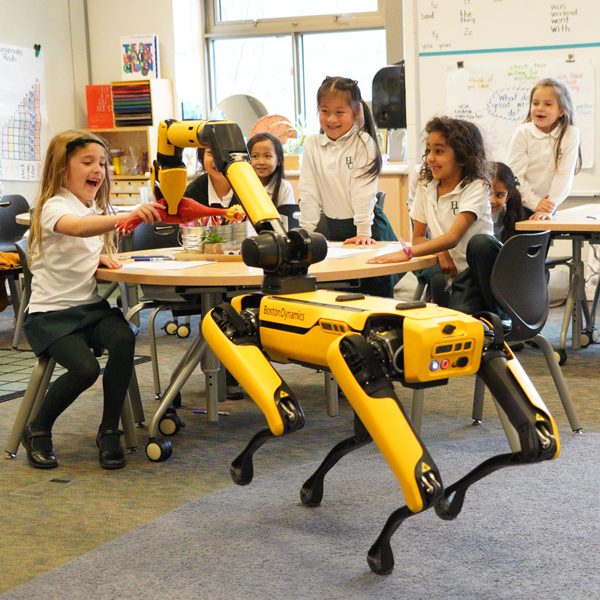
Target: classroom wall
[{"x": 59, "y": 27}]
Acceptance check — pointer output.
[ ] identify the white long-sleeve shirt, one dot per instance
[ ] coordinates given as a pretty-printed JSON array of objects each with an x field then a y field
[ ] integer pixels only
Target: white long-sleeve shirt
[
  {"x": 330, "y": 180},
  {"x": 531, "y": 157}
]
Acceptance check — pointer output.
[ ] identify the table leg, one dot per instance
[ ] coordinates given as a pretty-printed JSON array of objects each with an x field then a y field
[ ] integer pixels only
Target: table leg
[{"x": 211, "y": 364}]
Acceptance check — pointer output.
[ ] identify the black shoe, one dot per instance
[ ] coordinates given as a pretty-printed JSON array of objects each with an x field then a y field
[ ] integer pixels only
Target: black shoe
[
  {"x": 235, "y": 392},
  {"x": 40, "y": 459},
  {"x": 110, "y": 459}
]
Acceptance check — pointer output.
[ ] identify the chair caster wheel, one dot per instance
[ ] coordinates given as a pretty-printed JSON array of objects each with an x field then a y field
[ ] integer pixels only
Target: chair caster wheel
[
  {"x": 170, "y": 423},
  {"x": 476, "y": 422},
  {"x": 170, "y": 327},
  {"x": 585, "y": 339},
  {"x": 561, "y": 356},
  {"x": 594, "y": 334},
  {"x": 159, "y": 450},
  {"x": 183, "y": 331}
]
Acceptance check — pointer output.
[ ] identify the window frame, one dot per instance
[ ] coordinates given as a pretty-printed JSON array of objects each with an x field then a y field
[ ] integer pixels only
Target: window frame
[{"x": 294, "y": 27}]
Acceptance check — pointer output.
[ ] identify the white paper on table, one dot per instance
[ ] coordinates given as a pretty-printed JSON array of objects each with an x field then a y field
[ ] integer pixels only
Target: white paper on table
[
  {"x": 339, "y": 250},
  {"x": 165, "y": 265}
]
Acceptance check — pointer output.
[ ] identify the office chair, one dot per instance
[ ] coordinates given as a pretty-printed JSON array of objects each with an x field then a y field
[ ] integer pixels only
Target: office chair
[
  {"x": 518, "y": 283},
  {"x": 11, "y": 232},
  {"x": 292, "y": 212}
]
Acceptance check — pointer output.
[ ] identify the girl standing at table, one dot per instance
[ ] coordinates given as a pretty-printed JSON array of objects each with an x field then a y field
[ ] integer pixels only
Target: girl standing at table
[
  {"x": 452, "y": 199},
  {"x": 340, "y": 169},
  {"x": 266, "y": 158},
  {"x": 544, "y": 152},
  {"x": 72, "y": 233}
]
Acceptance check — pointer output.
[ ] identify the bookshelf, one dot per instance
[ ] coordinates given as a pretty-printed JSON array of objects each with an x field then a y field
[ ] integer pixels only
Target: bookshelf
[{"x": 125, "y": 187}]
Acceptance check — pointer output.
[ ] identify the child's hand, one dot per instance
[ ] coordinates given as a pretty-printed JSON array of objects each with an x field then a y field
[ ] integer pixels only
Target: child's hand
[
  {"x": 545, "y": 205},
  {"x": 148, "y": 212},
  {"x": 447, "y": 264},
  {"x": 109, "y": 263},
  {"x": 360, "y": 240},
  {"x": 540, "y": 216},
  {"x": 391, "y": 257}
]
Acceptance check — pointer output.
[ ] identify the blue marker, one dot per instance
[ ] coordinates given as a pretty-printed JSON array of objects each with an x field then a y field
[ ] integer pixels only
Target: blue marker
[{"x": 151, "y": 258}]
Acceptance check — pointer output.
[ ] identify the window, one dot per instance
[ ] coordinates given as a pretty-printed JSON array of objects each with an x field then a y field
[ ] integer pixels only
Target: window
[{"x": 282, "y": 59}]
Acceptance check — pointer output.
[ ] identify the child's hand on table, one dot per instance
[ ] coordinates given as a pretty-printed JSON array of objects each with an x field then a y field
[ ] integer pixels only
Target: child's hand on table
[
  {"x": 109, "y": 263},
  {"x": 360, "y": 240}
]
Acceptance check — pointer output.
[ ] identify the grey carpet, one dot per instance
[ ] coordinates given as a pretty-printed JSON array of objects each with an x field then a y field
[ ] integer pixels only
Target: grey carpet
[{"x": 524, "y": 532}]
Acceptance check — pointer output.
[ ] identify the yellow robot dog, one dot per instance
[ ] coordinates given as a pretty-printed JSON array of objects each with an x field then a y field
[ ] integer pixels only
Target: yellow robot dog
[{"x": 366, "y": 342}]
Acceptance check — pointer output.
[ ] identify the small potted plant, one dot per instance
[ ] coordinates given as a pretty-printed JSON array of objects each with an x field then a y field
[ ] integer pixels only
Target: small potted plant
[
  {"x": 293, "y": 147},
  {"x": 212, "y": 243}
]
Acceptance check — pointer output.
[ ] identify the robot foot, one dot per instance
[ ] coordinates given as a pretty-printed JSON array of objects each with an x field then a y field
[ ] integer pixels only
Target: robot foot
[
  {"x": 380, "y": 557},
  {"x": 242, "y": 469},
  {"x": 311, "y": 493}
]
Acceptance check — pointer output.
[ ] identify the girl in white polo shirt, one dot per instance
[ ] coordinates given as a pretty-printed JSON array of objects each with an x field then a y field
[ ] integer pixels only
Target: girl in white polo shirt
[
  {"x": 340, "y": 168},
  {"x": 72, "y": 224},
  {"x": 544, "y": 152},
  {"x": 452, "y": 200}
]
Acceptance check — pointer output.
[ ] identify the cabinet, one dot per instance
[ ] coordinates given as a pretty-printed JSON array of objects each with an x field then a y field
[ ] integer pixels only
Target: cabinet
[{"x": 125, "y": 188}]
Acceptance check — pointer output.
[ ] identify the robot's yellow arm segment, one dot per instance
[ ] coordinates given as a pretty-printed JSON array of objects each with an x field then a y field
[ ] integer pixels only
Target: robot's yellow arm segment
[
  {"x": 257, "y": 204},
  {"x": 252, "y": 370},
  {"x": 388, "y": 426}
]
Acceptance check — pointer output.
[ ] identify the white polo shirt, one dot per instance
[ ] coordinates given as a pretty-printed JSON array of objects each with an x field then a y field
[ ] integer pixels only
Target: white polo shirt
[
  {"x": 286, "y": 192},
  {"x": 440, "y": 214},
  {"x": 330, "y": 180},
  {"x": 531, "y": 158},
  {"x": 63, "y": 274}
]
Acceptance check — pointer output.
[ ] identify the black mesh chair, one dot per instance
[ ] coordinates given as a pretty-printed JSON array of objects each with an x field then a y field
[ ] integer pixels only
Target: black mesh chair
[{"x": 518, "y": 283}]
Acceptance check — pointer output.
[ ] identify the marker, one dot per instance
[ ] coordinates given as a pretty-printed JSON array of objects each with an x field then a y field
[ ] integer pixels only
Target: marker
[
  {"x": 203, "y": 412},
  {"x": 151, "y": 258},
  {"x": 591, "y": 217}
]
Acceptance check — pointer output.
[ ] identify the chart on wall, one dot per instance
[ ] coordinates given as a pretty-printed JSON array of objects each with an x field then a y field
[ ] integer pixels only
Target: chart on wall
[
  {"x": 22, "y": 113},
  {"x": 496, "y": 97}
]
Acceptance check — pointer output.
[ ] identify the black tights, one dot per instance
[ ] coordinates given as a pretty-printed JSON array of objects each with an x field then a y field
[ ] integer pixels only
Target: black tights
[{"x": 73, "y": 352}]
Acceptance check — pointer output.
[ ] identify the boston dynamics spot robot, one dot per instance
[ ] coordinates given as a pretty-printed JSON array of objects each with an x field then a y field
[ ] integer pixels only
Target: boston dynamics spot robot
[{"x": 366, "y": 342}]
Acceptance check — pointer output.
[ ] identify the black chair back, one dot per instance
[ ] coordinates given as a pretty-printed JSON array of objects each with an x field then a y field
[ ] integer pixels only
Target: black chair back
[
  {"x": 289, "y": 210},
  {"x": 518, "y": 283},
  {"x": 10, "y": 230},
  {"x": 380, "y": 199},
  {"x": 159, "y": 235}
]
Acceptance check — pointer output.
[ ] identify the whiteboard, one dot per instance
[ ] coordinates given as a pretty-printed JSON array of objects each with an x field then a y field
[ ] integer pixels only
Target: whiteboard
[
  {"x": 487, "y": 35},
  {"x": 449, "y": 26}
]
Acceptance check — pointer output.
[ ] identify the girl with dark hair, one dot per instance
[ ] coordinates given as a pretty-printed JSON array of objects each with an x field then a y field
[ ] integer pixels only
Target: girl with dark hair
[
  {"x": 340, "y": 168},
  {"x": 266, "y": 157},
  {"x": 452, "y": 199},
  {"x": 507, "y": 207}
]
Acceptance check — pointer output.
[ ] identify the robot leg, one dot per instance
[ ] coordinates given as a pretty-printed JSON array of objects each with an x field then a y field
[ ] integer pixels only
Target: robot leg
[
  {"x": 534, "y": 427},
  {"x": 233, "y": 341},
  {"x": 372, "y": 396}
]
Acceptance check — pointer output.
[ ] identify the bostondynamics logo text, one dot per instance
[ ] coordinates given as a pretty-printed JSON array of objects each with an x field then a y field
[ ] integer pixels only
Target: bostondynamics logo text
[{"x": 282, "y": 313}]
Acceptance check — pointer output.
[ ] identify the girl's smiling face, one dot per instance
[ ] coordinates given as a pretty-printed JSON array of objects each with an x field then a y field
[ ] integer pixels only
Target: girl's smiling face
[
  {"x": 336, "y": 116},
  {"x": 263, "y": 159},
  {"x": 86, "y": 171},
  {"x": 498, "y": 196},
  {"x": 545, "y": 110},
  {"x": 441, "y": 159}
]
